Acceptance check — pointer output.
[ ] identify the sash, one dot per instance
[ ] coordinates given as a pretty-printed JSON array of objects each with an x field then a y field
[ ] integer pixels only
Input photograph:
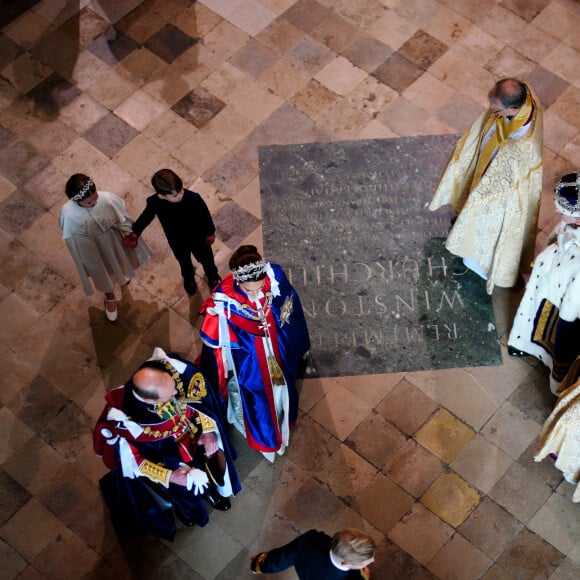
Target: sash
[{"x": 503, "y": 130}]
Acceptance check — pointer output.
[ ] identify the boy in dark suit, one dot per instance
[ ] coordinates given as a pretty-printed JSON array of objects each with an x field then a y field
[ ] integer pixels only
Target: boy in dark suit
[{"x": 187, "y": 224}]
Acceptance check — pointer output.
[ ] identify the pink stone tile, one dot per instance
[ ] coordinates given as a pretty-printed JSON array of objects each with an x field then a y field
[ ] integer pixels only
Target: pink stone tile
[
  {"x": 520, "y": 492},
  {"x": 376, "y": 130},
  {"x": 567, "y": 570},
  {"x": 376, "y": 440},
  {"x": 459, "y": 559},
  {"x": 27, "y": 29},
  {"x": 392, "y": 29},
  {"x": 140, "y": 109},
  {"x": 556, "y": 20},
  {"x": 111, "y": 89},
  {"x": 421, "y": 533},
  {"x": 566, "y": 104},
  {"x": 26, "y": 72},
  {"x": 255, "y": 102},
  {"x": 371, "y": 96},
  {"x": 509, "y": 60},
  {"x": 456, "y": 389},
  {"x": 169, "y": 131},
  {"x": 413, "y": 468},
  {"x": 530, "y": 556},
  {"x": 481, "y": 463},
  {"x": 313, "y": 99},
  {"x": 447, "y": 26},
  {"x": 284, "y": 79},
  {"x": 340, "y": 412},
  {"x": 450, "y": 69},
  {"x": 225, "y": 81},
  {"x": 228, "y": 127},
  {"x": 558, "y": 522},
  {"x": 225, "y": 39},
  {"x": 533, "y": 42},
  {"x": 32, "y": 528},
  {"x": 14, "y": 565},
  {"x": 16, "y": 316},
  {"x": 496, "y": 572},
  {"x": 13, "y": 433},
  {"x": 346, "y": 472},
  {"x": 510, "y": 430},
  {"x": 563, "y": 61},
  {"x": 251, "y": 17},
  {"x": 301, "y": 451},
  {"x": 371, "y": 504},
  {"x": 342, "y": 120},
  {"x": 281, "y": 36},
  {"x": 322, "y": 508},
  {"x": 429, "y": 93},
  {"x": 335, "y": 32},
  {"x": 201, "y": 151},
  {"x": 407, "y": 407},
  {"x": 404, "y": 117},
  {"x": 506, "y": 379},
  {"x": 341, "y": 76},
  {"x": 502, "y": 23},
  {"x": 491, "y": 528}
]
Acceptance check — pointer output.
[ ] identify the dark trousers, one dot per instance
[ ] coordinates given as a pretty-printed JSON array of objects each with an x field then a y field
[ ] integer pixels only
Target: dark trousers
[{"x": 202, "y": 253}]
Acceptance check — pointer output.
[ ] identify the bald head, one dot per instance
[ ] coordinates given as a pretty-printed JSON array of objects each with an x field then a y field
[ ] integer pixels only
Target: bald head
[
  {"x": 510, "y": 93},
  {"x": 154, "y": 385}
]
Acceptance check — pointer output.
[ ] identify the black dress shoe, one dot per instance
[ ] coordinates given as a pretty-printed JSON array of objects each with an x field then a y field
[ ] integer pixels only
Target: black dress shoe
[
  {"x": 190, "y": 286},
  {"x": 515, "y": 352},
  {"x": 216, "y": 500}
]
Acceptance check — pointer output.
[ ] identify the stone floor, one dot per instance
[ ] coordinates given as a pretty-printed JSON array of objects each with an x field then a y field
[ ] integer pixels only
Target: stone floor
[{"x": 436, "y": 465}]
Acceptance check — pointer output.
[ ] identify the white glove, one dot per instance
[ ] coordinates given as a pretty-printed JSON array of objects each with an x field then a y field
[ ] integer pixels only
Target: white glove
[{"x": 197, "y": 479}]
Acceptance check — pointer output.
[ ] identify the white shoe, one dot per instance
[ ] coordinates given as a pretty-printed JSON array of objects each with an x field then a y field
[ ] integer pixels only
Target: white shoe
[{"x": 111, "y": 316}]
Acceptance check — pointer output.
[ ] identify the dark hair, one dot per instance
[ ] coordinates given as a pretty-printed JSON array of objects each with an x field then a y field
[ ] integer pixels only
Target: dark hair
[
  {"x": 511, "y": 93},
  {"x": 77, "y": 182},
  {"x": 166, "y": 181},
  {"x": 245, "y": 255}
]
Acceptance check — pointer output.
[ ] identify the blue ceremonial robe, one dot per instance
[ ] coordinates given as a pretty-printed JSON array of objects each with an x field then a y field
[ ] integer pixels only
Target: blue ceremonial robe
[
  {"x": 138, "y": 502},
  {"x": 256, "y": 353}
]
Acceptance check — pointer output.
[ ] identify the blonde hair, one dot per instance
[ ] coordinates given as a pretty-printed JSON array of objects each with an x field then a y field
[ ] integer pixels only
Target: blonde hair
[{"x": 352, "y": 547}]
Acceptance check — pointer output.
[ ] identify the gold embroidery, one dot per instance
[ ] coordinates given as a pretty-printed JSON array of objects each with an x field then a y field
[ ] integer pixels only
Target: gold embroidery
[
  {"x": 545, "y": 330},
  {"x": 155, "y": 472},
  {"x": 286, "y": 310},
  {"x": 207, "y": 423},
  {"x": 259, "y": 561},
  {"x": 275, "y": 372},
  {"x": 196, "y": 389}
]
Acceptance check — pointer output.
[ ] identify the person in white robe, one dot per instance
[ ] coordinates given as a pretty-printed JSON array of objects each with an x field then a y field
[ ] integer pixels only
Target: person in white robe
[
  {"x": 95, "y": 228},
  {"x": 547, "y": 323}
]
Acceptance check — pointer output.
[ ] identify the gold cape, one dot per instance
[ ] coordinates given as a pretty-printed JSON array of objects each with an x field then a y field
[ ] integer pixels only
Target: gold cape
[
  {"x": 560, "y": 433},
  {"x": 497, "y": 217}
]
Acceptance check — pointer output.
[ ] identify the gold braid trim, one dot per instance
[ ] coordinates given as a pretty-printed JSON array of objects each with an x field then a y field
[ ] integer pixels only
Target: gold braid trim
[
  {"x": 207, "y": 423},
  {"x": 155, "y": 472},
  {"x": 259, "y": 560}
]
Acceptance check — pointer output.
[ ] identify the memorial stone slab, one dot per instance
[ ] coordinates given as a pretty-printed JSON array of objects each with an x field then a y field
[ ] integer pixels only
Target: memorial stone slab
[{"x": 348, "y": 222}]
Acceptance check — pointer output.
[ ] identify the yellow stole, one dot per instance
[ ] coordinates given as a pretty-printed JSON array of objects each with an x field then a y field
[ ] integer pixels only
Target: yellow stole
[{"x": 503, "y": 130}]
